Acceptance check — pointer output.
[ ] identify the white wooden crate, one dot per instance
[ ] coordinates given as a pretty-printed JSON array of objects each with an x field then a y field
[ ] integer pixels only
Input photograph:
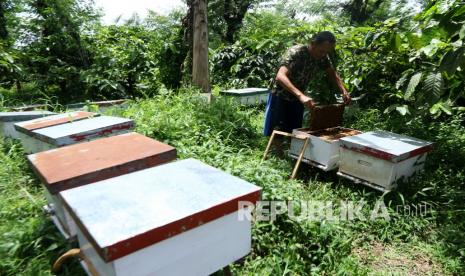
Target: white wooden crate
[
  {"x": 8, "y": 119},
  {"x": 248, "y": 96},
  {"x": 380, "y": 159},
  {"x": 323, "y": 148},
  {"x": 180, "y": 218},
  {"x": 74, "y": 132}
]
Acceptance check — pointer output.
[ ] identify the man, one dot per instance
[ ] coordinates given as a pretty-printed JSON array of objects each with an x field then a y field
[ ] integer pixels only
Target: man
[{"x": 287, "y": 101}]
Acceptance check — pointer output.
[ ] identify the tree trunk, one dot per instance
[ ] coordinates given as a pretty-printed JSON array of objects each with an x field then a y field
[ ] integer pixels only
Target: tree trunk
[
  {"x": 188, "y": 26},
  {"x": 18, "y": 86},
  {"x": 3, "y": 28},
  {"x": 200, "y": 76}
]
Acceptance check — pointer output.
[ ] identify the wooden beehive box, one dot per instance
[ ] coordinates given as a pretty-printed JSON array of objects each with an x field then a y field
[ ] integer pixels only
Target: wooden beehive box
[
  {"x": 248, "y": 96},
  {"x": 8, "y": 119},
  {"x": 380, "y": 159},
  {"x": 324, "y": 133},
  {"x": 180, "y": 218},
  {"x": 81, "y": 164},
  {"x": 74, "y": 132},
  {"x": 102, "y": 106}
]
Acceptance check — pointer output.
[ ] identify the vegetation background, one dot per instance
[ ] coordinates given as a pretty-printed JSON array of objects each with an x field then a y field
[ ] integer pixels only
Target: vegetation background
[{"x": 404, "y": 60}]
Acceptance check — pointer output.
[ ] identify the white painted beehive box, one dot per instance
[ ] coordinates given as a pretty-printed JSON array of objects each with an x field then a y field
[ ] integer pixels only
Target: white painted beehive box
[
  {"x": 381, "y": 159},
  {"x": 181, "y": 218},
  {"x": 85, "y": 163},
  {"x": 8, "y": 119},
  {"x": 101, "y": 106},
  {"x": 25, "y": 129},
  {"x": 322, "y": 151},
  {"x": 74, "y": 132},
  {"x": 248, "y": 96},
  {"x": 323, "y": 136}
]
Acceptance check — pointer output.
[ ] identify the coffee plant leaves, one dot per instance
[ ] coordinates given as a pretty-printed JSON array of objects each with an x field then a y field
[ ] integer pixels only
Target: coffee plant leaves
[{"x": 413, "y": 83}]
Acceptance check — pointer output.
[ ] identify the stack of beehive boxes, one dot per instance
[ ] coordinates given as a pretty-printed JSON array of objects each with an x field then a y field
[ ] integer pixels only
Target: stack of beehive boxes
[{"x": 135, "y": 209}]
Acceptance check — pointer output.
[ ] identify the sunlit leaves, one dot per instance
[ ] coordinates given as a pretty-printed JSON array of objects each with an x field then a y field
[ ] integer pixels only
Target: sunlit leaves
[{"x": 413, "y": 83}]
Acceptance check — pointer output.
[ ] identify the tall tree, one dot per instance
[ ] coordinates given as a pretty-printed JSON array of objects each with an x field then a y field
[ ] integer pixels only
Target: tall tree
[
  {"x": 200, "y": 74},
  {"x": 227, "y": 16},
  {"x": 58, "y": 53},
  {"x": 3, "y": 28}
]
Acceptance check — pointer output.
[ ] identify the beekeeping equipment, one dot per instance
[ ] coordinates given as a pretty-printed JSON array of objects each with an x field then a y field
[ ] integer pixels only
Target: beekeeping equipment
[
  {"x": 180, "y": 218},
  {"x": 8, "y": 119},
  {"x": 381, "y": 159},
  {"x": 85, "y": 163},
  {"x": 248, "y": 96},
  {"x": 101, "y": 106},
  {"x": 54, "y": 120},
  {"x": 324, "y": 134},
  {"x": 74, "y": 132}
]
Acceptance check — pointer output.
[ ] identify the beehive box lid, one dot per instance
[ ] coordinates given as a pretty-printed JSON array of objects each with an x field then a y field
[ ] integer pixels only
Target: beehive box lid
[
  {"x": 99, "y": 104},
  {"x": 71, "y": 133},
  {"x": 54, "y": 120},
  {"x": 124, "y": 214},
  {"x": 80, "y": 164},
  {"x": 387, "y": 145},
  {"x": 245, "y": 91},
  {"x": 23, "y": 115},
  {"x": 326, "y": 116}
]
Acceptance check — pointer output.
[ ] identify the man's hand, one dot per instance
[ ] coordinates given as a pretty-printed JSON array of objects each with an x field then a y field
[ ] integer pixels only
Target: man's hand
[
  {"x": 307, "y": 101},
  {"x": 346, "y": 98}
]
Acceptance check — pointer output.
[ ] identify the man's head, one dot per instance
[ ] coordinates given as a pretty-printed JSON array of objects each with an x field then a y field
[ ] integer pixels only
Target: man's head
[{"x": 321, "y": 44}]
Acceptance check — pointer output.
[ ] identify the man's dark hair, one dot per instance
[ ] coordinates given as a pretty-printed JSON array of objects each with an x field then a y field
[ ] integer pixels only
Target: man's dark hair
[{"x": 324, "y": 36}]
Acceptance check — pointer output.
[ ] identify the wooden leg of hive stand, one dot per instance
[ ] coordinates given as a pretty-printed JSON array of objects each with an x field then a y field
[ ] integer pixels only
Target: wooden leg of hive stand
[
  {"x": 299, "y": 160},
  {"x": 269, "y": 144}
]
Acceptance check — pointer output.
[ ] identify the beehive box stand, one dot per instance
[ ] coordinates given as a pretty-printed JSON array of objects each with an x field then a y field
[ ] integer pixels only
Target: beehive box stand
[
  {"x": 75, "y": 132},
  {"x": 180, "y": 218},
  {"x": 8, "y": 119},
  {"x": 380, "y": 159},
  {"x": 324, "y": 133},
  {"x": 81, "y": 164},
  {"x": 248, "y": 96}
]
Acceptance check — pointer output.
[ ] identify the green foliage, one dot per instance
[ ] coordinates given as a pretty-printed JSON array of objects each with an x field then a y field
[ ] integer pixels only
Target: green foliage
[
  {"x": 122, "y": 63},
  {"x": 29, "y": 242},
  {"x": 228, "y": 136}
]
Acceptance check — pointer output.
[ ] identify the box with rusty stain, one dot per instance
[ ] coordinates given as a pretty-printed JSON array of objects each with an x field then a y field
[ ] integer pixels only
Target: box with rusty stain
[
  {"x": 324, "y": 133},
  {"x": 58, "y": 119},
  {"x": 381, "y": 159},
  {"x": 248, "y": 96},
  {"x": 181, "y": 218},
  {"x": 81, "y": 164},
  {"x": 31, "y": 144},
  {"x": 75, "y": 132},
  {"x": 8, "y": 119}
]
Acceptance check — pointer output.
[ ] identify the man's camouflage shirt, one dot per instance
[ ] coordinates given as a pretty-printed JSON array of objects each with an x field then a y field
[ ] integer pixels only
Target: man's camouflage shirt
[{"x": 302, "y": 67}]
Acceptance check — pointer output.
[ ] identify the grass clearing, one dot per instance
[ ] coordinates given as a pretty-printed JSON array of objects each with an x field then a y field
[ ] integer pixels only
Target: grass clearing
[{"x": 228, "y": 136}]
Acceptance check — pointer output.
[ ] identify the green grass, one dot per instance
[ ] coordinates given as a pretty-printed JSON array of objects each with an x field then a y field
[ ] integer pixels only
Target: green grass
[{"x": 227, "y": 136}]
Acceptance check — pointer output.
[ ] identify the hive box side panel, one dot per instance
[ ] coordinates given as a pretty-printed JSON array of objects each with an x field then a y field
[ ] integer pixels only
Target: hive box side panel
[
  {"x": 93, "y": 259},
  {"x": 200, "y": 251},
  {"x": 32, "y": 145},
  {"x": 405, "y": 169},
  {"x": 366, "y": 167},
  {"x": 7, "y": 129}
]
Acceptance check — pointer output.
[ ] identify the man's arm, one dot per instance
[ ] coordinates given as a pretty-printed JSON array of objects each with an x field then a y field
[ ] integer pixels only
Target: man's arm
[
  {"x": 334, "y": 77},
  {"x": 283, "y": 80}
]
